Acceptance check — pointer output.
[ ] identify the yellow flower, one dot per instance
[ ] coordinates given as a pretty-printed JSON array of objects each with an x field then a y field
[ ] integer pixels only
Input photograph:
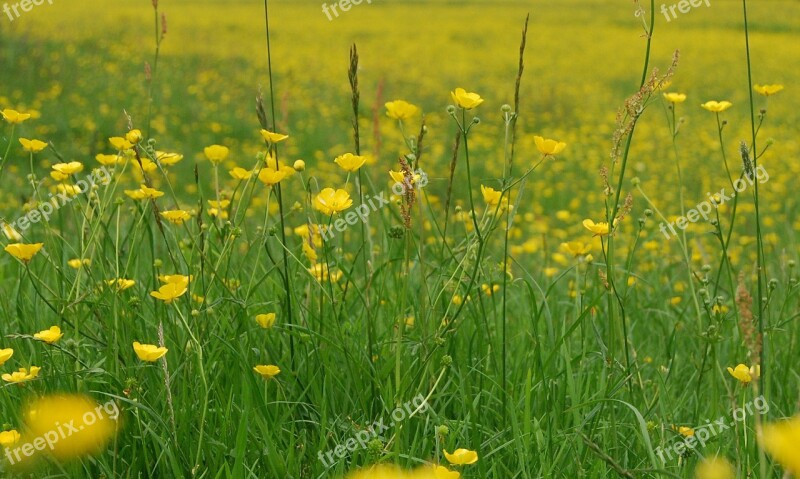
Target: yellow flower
[
  {"x": 460, "y": 457},
  {"x": 400, "y": 110},
  {"x": 686, "y": 431},
  {"x": 270, "y": 176},
  {"x": 491, "y": 196},
  {"x": 147, "y": 165},
  {"x": 549, "y": 147},
  {"x": 576, "y": 248},
  {"x": 675, "y": 97},
  {"x": 321, "y": 273},
  {"x": 742, "y": 373},
  {"x": 32, "y": 146},
  {"x": 177, "y": 217},
  {"x": 299, "y": 165},
  {"x": 69, "y": 190},
  {"x": 119, "y": 143},
  {"x": 268, "y": 371},
  {"x": 14, "y": 117},
  {"x": 599, "y": 229},
  {"x": 134, "y": 136},
  {"x": 120, "y": 284},
  {"x": 717, "y": 107},
  {"x": 441, "y": 472},
  {"x": 49, "y": 336},
  {"x": 218, "y": 208},
  {"x": 715, "y": 468},
  {"x": 22, "y": 375},
  {"x": 168, "y": 158},
  {"x": 9, "y": 438},
  {"x": 266, "y": 321},
  {"x": 144, "y": 192},
  {"x": 68, "y": 168},
  {"x": 77, "y": 263},
  {"x": 5, "y": 355},
  {"x": 149, "y": 352},
  {"x": 400, "y": 177},
  {"x": 309, "y": 251},
  {"x": 350, "y": 162},
  {"x": 108, "y": 160},
  {"x": 23, "y": 252},
  {"x": 240, "y": 173},
  {"x": 179, "y": 279},
  {"x": 466, "y": 100},
  {"x": 330, "y": 201},
  {"x": 780, "y": 440},
  {"x": 489, "y": 290},
  {"x": 11, "y": 233},
  {"x": 216, "y": 153},
  {"x": 271, "y": 137},
  {"x": 767, "y": 90},
  {"x": 169, "y": 292}
]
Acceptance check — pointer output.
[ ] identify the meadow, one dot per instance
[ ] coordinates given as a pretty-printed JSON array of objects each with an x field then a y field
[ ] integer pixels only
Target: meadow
[{"x": 423, "y": 239}]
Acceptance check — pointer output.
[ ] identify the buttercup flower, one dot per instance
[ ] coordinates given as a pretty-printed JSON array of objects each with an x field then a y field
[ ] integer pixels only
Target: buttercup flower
[
  {"x": 149, "y": 352},
  {"x": 9, "y": 438},
  {"x": 330, "y": 201},
  {"x": 14, "y": 117},
  {"x": 22, "y": 375},
  {"x": 5, "y": 355},
  {"x": 715, "y": 468},
  {"x": 11, "y": 233},
  {"x": 767, "y": 90},
  {"x": 134, "y": 136},
  {"x": 49, "y": 336},
  {"x": 717, "y": 107},
  {"x": 299, "y": 165},
  {"x": 266, "y": 321},
  {"x": 460, "y": 457},
  {"x": 441, "y": 472},
  {"x": 144, "y": 192},
  {"x": 178, "y": 279},
  {"x": 742, "y": 373},
  {"x": 466, "y": 100},
  {"x": 599, "y": 229},
  {"x": 177, "y": 217},
  {"x": 268, "y": 371},
  {"x": 23, "y": 252},
  {"x": 271, "y": 177},
  {"x": 108, "y": 160},
  {"x": 675, "y": 97},
  {"x": 240, "y": 173},
  {"x": 686, "y": 431},
  {"x": 77, "y": 263},
  {"x": 120, "y": 284},
  {"x": 168, "y": 159},
  {"x": 271, "y": 137},
  {"x": 549, "y": 147},
  {"x": 400, "y": 110},
  {"x": 576, "y": 248},
  {"x": 216, "y": 153},
  {"x": 491, "y": 196},
  {"x": 120, "y": 144},
  {"x": 350, "y": 162},
  {"x": 32, "y": 146},
  {"x": 68, "y": 169},
  {"x": 169, "y": 292},
  {"x": 780, "y": 440}
]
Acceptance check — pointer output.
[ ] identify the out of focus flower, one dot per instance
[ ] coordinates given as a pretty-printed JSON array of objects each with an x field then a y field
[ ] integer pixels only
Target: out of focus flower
[
  {"x": 216, "y": 153},
  {"x": 400, "y": 110},
  {"x": 13, "y": 116},
  {"x": 77, "y": 263},
  {"x": 32, "y": 146},
  {"x": 767, "y": 90},
  {"x": 675, "y": 97},
  {"x": 716, "y": 107},
  {"x": 134, "y": 136},
  {"x": 120, "y": 284},
  {"x": 491, "y": 196},
  {"x": 177, "y": 217},
  {"x": 119, "y": 143},
  {"x": 781, "y": 440},
  {"x": 9, "y": 438},
  {"x": 239, "y": 173},
  {"x": 68, "y": 168},
  {"x": 715, "y": 468},
  {"x": 5, "y": 355},
  {"x": 144, "y": 192}
]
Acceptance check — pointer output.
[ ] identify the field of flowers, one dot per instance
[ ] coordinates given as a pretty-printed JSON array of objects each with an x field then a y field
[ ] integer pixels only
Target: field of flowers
[{"x": 415, "y": 240}]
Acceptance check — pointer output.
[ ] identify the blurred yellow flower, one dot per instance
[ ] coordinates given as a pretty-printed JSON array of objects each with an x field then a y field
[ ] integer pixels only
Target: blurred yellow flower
[
  {"x": 350, "y": 162},
  {"x": 9, "y": 438},
  {"x": 441, "y": 472},
  {"x": 271, "y": 177},
  {"x": 77, "y": 263},
  {"x": 134, "y": 136},
  {"x": 120, "y": 284},
  {"x": 491, "y": 196},
  {"x": 781, "y": 440},
  {"x": 32, "y": 146},
  {"x": 268, "y": 371},
  {"x": 11, "y": 233},
  {"x": 49, "y": 336},
  {"x": 461, "y": 456},
  {"x": 271, "y": 137},
  {"x": 599, "y": 229},
  {"x": 22, "y": 375},
  {"x": 742, "y": 373},
  {"x": 119, "y": 143},
  {"x": 330, "y": 201},
  {"x": 266, "y": 320},
  {"x": 177, "y": 217},
  {"x": 239, "y": 173},
  {"x": 686, "y": 431},
  {"x": 68, "y": 168},
  {"x": 216, "y": 153},
  {"x": 169, "y": 292},
  {"x": 299, "y": 165},
  {"x": 5, "y": 355},
  {"x": 149, "y": 352},
  {"x": 576, "y": 248},
  {"x": 144, "y": 192},
  {"x": 675, "y": 97},
  {"x": 549, "y": 147},
  {"x": 717, "y": 107},
  {"x": 321, "y": 273},
  {"x": 400, "y": 110},
  {"x": 14, "y": 117},
  {"x": 767, "y": 90},
  {"x": 715, "y": 468},
  {"x": 23, "y": 252},
  {"x": 108, "y": 160},
  {"x": 466, "y": 100},
  {"x": 168, "y": 159}
]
